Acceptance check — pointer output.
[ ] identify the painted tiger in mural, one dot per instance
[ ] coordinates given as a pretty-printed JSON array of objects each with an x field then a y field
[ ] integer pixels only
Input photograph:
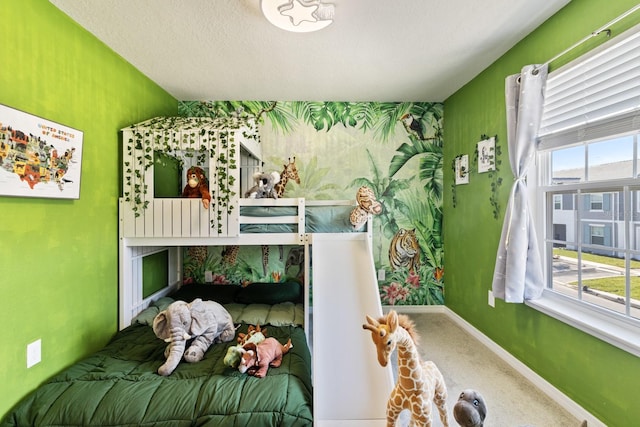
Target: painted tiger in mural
[{"x": 404, "y": 250}]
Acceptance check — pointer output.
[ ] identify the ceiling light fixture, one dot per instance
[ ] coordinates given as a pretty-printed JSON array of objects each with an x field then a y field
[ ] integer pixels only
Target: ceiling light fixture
[{"x": 299, "y": 16}]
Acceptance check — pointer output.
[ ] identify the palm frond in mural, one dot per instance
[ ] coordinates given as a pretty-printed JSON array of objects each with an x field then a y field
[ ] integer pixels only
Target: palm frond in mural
[
  {"x": 430, "y": 163},
  {"x": 325, "y": 115},
  {"x": 278, "y": 113}
]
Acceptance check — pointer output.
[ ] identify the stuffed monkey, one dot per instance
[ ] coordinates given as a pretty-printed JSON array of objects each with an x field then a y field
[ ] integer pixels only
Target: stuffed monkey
[{"x": 197, "y": 186}]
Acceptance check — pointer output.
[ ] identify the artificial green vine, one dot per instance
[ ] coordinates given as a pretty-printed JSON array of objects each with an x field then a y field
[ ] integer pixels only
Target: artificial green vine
[
  {"x": 194, "y": 137},
  {"x": 453, "y": 184},
  {"x": 494, "y": 176}
]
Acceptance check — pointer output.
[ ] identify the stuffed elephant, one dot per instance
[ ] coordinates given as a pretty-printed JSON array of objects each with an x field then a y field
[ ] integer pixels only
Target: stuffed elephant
[{"x": 204, "y": 322}]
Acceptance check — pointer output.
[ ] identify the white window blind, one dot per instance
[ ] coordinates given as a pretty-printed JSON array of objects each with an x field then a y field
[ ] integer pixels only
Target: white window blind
[{"x": 594, "y": 96}]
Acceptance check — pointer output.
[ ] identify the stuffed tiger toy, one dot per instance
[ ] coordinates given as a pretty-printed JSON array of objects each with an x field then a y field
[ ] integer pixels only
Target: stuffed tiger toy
[{"x": 404, "y": 250}]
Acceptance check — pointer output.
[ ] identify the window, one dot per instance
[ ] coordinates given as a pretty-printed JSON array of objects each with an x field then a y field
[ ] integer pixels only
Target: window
[
  {"x": 557, "y": 201},
  {"x": 595, "y": 202},
  {"x": 597, "y": 234},
  {"x": 592, "y": 250},
  {"x": 585, "y": 193}
]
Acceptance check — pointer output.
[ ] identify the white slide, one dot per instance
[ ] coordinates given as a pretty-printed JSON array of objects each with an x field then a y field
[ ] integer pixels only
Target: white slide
[{"x": 350, "y": 387}]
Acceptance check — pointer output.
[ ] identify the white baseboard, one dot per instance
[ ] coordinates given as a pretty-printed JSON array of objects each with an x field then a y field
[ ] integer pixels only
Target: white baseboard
[{"x": 543, "y": 385}]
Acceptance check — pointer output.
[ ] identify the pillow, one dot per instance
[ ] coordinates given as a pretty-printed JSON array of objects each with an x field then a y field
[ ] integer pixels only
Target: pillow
[
  {"x": 270, "y": 293},
  {"x": 223, "y": 294},
  {"x": 146, "y": 316}
]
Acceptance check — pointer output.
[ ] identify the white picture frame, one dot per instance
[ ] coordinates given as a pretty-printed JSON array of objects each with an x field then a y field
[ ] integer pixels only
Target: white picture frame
[
  {"x": 487, "y": 155},
  {"x": 462, "y": 169},
  {"x": 38, "y": 157}
]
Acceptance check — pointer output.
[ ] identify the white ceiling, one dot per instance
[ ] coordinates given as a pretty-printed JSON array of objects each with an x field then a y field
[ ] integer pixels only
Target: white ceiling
[{"x": 375, "y": 50}]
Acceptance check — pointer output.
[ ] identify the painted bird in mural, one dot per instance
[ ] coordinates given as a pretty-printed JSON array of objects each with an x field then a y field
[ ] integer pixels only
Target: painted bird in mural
[{"x": 413, "y": 126}]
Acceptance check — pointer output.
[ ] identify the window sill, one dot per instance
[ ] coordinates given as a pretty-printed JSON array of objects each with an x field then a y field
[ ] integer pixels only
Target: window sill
[{"x": 617, "y": 331}]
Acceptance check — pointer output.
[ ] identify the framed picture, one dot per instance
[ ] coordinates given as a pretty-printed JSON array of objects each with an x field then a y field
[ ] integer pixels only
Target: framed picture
[
  {"x": 462, "y": 169},
  {"x": 38, "y": 157},
  {"x": 487, "y": 155}
]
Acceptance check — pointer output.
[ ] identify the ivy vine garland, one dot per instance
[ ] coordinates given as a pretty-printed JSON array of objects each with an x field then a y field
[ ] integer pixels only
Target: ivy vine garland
[
  {"x": 189, "y": 137},
  {"x": 494, "y": 176}
]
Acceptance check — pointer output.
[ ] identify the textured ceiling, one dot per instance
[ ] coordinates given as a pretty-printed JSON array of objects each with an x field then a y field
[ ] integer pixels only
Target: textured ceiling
[{"x": 375, "y": 50}]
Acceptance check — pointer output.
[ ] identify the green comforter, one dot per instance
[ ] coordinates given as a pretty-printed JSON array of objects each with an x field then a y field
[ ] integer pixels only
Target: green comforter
[{"x": 119, "y": 386}]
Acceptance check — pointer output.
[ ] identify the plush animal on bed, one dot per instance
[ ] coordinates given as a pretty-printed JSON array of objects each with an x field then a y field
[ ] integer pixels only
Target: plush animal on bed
[
  {"x": 470, "y": 410},
  {"x": 265, "y": 186},
  {"x": 203, "y": 322},
  {"x": 197, "y": 186},
  {"x": 256, "y": 359},
  {"x": 254, "y": 334},
  {"x": 367, "y": 204}
]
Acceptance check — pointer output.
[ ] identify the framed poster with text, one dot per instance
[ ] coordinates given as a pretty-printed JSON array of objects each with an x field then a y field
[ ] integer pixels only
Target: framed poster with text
[{"x": 38, "y": 157}]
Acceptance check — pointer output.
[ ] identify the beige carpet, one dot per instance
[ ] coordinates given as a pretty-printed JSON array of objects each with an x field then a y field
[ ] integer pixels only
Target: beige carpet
[{"x": 465, "y": 363}]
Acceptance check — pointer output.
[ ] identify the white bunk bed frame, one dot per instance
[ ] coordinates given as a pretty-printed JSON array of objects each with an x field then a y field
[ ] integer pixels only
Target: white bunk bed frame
[
  {"x": 149, "y": 225},
  {"x": 169, "y": 224}
]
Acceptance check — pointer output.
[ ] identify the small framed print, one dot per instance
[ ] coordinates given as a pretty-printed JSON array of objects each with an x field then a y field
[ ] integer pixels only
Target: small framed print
[
  {"x": 462, "y": 169},
  {"x": 38, "y": 157},
  {"x": 487, "y": 155}
]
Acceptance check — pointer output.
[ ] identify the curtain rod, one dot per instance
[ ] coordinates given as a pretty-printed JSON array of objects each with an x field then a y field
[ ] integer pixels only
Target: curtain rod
[{"x": 603, "y": 29}]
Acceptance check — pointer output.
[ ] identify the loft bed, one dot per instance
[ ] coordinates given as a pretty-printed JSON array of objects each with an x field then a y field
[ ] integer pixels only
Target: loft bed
[
  {"x": 230, "y": 152},
  {"x": 150, "y": 225}
]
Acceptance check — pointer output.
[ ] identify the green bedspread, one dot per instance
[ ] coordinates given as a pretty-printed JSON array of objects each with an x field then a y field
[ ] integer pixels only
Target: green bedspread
[{"x": 119, "y": 385}]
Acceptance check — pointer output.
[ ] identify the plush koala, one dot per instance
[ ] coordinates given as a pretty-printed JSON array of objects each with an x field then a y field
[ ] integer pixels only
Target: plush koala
[
  {"x": 264, "y": 187},
  {"x": 470, "y": 410}
]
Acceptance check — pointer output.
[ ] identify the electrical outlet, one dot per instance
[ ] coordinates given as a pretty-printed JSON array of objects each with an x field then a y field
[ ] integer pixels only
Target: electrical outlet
[
  {"x": 492, "y": 299},
  {"x": 381, "y": 274},
  {"x": 208, "y": 276},
  {"x": 34, "y": 353}
]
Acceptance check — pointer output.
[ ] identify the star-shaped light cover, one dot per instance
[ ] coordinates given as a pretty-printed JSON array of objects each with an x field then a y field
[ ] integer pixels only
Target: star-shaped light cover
[
  {"x": 298, "y": 15},
  {"x": 298, "y": 12}
]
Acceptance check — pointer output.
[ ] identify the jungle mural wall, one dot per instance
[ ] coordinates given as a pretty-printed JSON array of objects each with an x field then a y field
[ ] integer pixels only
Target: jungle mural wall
[{"x": 335, "y": 147}]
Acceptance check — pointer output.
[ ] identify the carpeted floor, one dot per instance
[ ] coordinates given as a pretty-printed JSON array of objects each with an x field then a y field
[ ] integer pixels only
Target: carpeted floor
[{"x": 512, "y": 401}]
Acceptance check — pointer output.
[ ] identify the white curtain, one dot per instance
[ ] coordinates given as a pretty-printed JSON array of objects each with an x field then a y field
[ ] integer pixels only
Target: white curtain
[{"x": 518, "y": 272}]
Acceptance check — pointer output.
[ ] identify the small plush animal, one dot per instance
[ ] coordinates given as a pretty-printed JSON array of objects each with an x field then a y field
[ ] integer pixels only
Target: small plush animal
[
  {"x": 254, "y": 334},
  {"x": 265, "y": 186},
  {"x": 256, "y": 359},
  {"x": 197, "y": 186},
  {"x": 190, "y": 329},
  {"x": 367, "y": 204},
  {"x": 470, "y": 410}
]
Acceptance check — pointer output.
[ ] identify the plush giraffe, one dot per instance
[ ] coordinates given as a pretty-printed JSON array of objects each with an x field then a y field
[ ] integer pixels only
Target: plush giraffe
[
  {"x": 290, "y": 172},
  {"x": 420, "y": 383}
]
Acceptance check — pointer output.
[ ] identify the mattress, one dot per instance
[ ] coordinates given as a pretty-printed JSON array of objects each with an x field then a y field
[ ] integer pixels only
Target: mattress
[{"x": 318, "y": 219}]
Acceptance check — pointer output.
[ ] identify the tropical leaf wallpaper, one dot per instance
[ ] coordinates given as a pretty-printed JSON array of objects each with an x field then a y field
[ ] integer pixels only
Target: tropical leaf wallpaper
[{"x": 393, "y": 148}]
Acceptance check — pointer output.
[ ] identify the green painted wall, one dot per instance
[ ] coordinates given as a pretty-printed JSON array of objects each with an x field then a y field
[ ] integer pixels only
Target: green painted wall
[
  {"x": 601, "y": 378},
  {"x": 59, "y": 258}
]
